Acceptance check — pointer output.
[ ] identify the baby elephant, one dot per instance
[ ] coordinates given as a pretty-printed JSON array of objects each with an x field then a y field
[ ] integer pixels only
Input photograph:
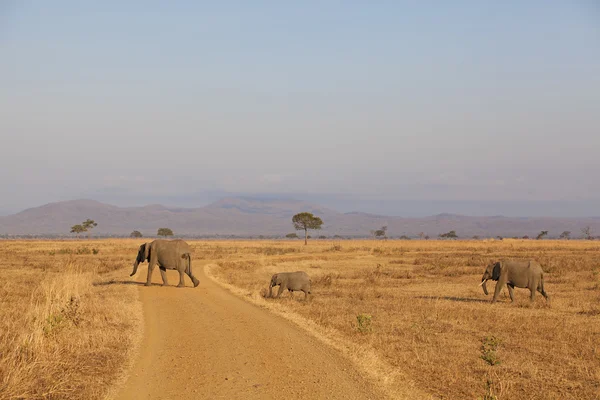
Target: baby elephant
[
  {"x": 292, "y": 281},
  {"x": 522, "y": 274}
]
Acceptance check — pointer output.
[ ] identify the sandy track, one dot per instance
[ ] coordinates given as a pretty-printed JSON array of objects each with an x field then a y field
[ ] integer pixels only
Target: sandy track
[{"x": 205, "y": 343}]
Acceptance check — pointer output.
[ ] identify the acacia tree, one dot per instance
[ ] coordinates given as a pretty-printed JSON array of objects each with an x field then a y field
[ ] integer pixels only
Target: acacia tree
[
  {"x": 136, "y": 234},
  {"x": 164, "y": 232},
  {"x": 381, "y": 232},
  {"x": 541, "y": 235},
  {"x": 449, "y": 235},
  {"x": 292, "y": 236},
  {"x": 77, "y": 229},
  {"x": 565, "y": 235},
  {"x": 587, "y": 232},
  {"x": 305, "y": 221},
  {"x": 88, "y": 225}
]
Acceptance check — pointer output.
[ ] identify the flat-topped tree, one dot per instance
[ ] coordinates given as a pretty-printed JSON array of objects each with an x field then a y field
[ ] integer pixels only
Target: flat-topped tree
[
  {"x": 164, "y": 232},
  {"x": 136, "y": 234},
  {"x": 305, "y": 221},
  {"x": 88, "y": 225},
  {"x": 77, "y": 229}
]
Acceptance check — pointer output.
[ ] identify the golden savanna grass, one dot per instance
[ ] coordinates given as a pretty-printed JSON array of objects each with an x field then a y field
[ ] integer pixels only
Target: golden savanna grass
[
  {"x": 68, "y": 323},
  {"x": 64, "y": 333},
  {"x": 424, "y": 316}
]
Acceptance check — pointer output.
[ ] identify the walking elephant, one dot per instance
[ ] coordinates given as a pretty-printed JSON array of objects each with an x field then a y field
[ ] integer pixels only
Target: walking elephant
[
  {"x": 292, "y": 281},
  {"x": 522, "y": 274},
  {"x": 167, "y": 254}
]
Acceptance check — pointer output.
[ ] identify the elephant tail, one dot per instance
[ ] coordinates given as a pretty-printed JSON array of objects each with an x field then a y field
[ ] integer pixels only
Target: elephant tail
[{"x": 188, "y": 256}]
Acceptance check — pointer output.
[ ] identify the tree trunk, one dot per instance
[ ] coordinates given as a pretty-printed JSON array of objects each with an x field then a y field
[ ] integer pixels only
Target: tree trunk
[{"x": 305, "y": 236}]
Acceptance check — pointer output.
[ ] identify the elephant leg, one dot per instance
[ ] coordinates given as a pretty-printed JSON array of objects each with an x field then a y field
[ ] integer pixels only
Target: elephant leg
[
  {"x": 151, "y": 266},
  {"x": 195, "y": 281},
  {"x": 511, "y": 292},
  {"x": 280, "y": 291},
  {"x": 181, "y": 282},
  {"x": 540, "y": 289},
  {"x": 305, "y": 294},
  {"x": 497, "y": 290},
  {"x": 163, "y": 274}
]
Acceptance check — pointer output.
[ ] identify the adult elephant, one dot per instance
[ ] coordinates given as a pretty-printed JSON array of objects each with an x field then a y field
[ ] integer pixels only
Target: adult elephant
[
  {"x": 522, "y": 274},
  {"x": 167, "y": 254}
]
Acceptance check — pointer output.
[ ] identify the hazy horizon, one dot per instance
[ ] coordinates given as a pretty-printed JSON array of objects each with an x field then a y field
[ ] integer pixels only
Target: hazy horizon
[{"x": 391, "y": 108}]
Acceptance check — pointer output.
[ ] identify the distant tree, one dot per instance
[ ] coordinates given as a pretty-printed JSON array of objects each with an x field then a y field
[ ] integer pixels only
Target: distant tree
[
  {"x": 499, "y": 237},
  {"x": 381, "y": 233},
  {"x": 426, "y": 237},
  {"x": 448, "y": 235},
  {"x": 421, "y": 235},
  {"x": 565, "y": 235},
  {"x": 77, "y": 229},
  {"x": 404, "y": 237},
  {"x": 525, "y": 237},
  {"x": 292, "y": 236},
  {"x": 586, "y": 231},
  {"x": 305, "y": 221},
  {"x": 475, "y": 237},
  {"x": 164, "y": 232},
  {"x": 541, "y": 235},
  {"x": 136, "y": 234},
  {"x": 322, "y": 237},
  {"x": 337, "y": 237},
  {"x": 88, "y": 225}
]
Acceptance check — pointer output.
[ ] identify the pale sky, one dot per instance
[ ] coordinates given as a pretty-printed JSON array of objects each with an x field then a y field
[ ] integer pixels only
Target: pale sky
[{"x": 384, "y": 102}]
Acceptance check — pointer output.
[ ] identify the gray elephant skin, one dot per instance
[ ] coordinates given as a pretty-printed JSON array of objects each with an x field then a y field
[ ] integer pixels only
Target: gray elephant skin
[
  {"x": 167, "y": 254},
  {"x": 515, "y": 273},
  {"x": 292, "y": 281}
]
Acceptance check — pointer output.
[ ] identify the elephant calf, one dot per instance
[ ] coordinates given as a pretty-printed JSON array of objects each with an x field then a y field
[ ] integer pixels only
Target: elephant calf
[
  {"x": 292, "y": 281},
  {"x": 167, "y": 254},
  {"x": 522, "y": 274}
]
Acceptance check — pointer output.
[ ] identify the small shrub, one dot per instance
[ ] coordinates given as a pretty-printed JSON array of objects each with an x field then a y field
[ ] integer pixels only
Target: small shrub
[
  {"x": 364, "y": 323},
  {"x": 95, "y": 251},
  {"x": 489, "y": 345}
]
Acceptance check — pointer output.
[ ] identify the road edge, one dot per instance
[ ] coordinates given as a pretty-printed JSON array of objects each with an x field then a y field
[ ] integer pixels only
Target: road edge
[{"x": 387, "y": 379}]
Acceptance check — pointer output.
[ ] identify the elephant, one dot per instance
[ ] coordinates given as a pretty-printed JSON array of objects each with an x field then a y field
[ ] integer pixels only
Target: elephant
[
  {"x": 168, "y": 254},
  {"x": 522, "y": 274},
  {"x": 292, "y": 281}
]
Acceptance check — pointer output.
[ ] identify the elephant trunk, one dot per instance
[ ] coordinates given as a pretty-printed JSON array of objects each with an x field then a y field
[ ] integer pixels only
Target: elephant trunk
[
  {"x": 270, "y": 290},
  {"x": 484, "y": 286},
  {"x": 135, "y": 267}
]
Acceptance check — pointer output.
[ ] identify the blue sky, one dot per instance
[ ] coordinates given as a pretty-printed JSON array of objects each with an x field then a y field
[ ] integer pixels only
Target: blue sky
[{"x": 144, "y": 102}]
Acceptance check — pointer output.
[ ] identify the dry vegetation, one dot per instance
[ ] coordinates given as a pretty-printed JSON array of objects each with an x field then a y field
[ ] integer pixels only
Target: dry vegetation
[
  {"x": 65, "y": 331},
  {"x": 418, "y": 306}
]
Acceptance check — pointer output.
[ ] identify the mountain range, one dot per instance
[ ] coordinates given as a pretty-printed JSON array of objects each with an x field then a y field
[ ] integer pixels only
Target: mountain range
[{"x": 242, "y": 216}]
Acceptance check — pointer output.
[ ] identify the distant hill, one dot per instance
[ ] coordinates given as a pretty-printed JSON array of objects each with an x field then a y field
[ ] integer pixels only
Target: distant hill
[{"x": 242, "y": 216}]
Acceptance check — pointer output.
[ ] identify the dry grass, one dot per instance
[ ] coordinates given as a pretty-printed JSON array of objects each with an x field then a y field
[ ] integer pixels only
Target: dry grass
[
  {"x": 418, "y": 307},
  {"x": 64, "y": 334},
  {"x": 410, "y": 312}
]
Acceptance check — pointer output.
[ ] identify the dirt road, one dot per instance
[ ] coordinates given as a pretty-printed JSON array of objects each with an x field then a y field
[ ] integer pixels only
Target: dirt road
[{"x": 205, "y": 343}]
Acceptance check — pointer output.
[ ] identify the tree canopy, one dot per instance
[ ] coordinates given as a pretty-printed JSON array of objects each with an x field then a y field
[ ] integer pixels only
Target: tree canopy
[
  {"x": 449, "y": 235},
  {"x": 136, "y": 234},
  {"x": 164, "y": 232},
  {"x": 305, "y": 221}
]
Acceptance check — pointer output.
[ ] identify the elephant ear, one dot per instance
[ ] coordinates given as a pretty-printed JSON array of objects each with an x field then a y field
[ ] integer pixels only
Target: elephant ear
[
  {"x": 496, "y": 271},
  {"x": 274, "y": 279},
  {"x": 146, "y": 251}
]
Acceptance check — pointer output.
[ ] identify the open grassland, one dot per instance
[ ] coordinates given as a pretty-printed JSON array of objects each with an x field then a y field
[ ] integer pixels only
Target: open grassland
[
  {"x": 417, "y": 306},
  {"x": 410, "y": 312},
  {"x": 64, "y": 333}
]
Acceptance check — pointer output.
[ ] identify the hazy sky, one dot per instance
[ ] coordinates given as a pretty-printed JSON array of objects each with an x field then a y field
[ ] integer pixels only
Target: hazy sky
[{"x": 144, "y": 101}]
